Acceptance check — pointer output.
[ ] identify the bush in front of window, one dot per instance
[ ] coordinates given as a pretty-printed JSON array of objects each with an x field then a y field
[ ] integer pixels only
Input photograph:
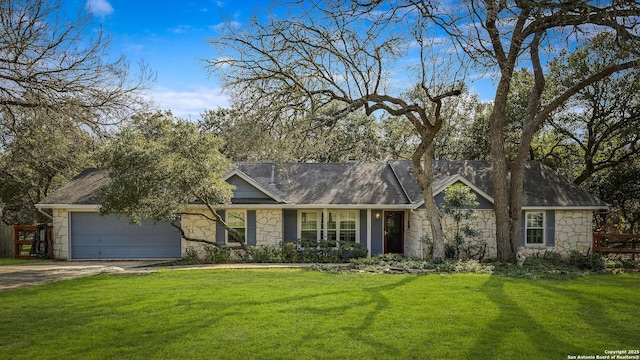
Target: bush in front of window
[{"x": 217, "y": 255}]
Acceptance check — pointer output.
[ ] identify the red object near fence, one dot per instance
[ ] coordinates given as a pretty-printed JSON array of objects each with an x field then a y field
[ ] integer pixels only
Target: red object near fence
[{"x": 23, "y": 240}]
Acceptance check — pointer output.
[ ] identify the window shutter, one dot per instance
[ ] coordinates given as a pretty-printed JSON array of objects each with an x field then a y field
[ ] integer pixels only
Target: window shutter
[
  {"x": 550, "y": 231},
  {"x": 220, "y": 231},
  {"x": 523, "y": 228},
  {"x": 290, "y": 225},
  {"x": 251, "y": 228}
]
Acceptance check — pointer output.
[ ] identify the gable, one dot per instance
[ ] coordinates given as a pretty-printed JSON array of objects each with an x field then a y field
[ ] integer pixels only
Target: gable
[
  {"x": 483, "y": 202},
  {"x": 245, "y": 190}
]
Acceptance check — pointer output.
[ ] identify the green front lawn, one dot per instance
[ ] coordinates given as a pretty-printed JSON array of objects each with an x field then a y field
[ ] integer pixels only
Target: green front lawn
[
  {"x": 4, "y": 262},
  {"x": 298, "y": 314}
]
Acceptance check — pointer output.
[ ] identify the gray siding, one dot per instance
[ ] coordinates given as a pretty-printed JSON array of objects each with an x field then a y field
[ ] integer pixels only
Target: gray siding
[
  {"x": 550, "y": 230},
  {"x": 251, "y": 227},
  {"x": 244, "y": 190},
  {"x": 483, "y": 203},
  {"x": 363, "y": 228},
  {"x": 113, "y": 237},
  {"x": 377, "y": 240},
  {"x": 220, "y": 231}
]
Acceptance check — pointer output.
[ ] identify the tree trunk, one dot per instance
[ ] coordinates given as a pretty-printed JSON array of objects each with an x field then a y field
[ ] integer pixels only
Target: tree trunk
[
  {"x": 500, "y": 174},
  {"x": 424, "y": 175}
]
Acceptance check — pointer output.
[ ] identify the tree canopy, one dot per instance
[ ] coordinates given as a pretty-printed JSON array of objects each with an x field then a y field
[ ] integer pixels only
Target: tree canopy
[{"x": 159, "y": 165}]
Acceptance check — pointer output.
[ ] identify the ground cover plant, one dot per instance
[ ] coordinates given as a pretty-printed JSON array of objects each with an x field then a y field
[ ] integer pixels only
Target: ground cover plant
[{"x": 299, "y": 314}]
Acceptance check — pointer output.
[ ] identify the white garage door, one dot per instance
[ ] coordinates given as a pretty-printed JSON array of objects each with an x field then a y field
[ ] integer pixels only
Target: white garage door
[{"x": 112, "y": 237}]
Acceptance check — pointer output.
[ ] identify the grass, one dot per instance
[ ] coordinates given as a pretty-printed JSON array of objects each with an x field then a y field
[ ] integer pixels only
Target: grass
[
  {"x": 4, "y": 262},
  {"x": 297, "y": 314}
]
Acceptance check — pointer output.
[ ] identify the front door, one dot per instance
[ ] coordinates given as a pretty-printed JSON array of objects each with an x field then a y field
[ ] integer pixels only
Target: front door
[{"x": 394, "y": 232}]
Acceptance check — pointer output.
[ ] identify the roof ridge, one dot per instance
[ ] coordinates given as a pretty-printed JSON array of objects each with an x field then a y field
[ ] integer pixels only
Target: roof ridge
[{"x": 404, "y": 191}]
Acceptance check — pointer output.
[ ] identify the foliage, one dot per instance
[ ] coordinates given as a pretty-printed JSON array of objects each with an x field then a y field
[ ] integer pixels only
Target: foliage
[
  {"x": 283, "y": 252},
  {"x": 160, "y": 164},
  {"x": 459, "y": 203},
  {"x": 39, "y": 154},
  {"x": 59, "y": 90},
  {"x": 326, "y": 251},
  {"x": 591, "y": 262},
  {"x": 216, "y": 255},
  {"x": 253, "y": 136}
]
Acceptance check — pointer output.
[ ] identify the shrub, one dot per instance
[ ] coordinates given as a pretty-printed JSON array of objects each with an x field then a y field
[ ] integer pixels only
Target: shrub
[
  {"x": 190, "y": 256},
  {"x": 217, "y": 255},
  {"x": 591, "y": 262}
]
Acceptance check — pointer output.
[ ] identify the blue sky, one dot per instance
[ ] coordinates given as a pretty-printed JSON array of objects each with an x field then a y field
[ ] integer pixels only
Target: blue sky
[{"x": 170, "y": 36}]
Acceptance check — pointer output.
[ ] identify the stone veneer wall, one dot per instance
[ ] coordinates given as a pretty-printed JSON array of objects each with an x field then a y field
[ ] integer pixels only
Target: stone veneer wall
[
  {"x": 574, "y": 232},
  {"x": 268, "y": 226},
  {"x": 484, "y": 223},
  {"x": 268, "y": 229},
  {"x": 60, "y": 234}
]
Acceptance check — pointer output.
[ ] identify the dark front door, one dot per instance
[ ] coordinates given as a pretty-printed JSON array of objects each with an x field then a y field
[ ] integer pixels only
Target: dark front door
[{"x": 394, "y": 232}]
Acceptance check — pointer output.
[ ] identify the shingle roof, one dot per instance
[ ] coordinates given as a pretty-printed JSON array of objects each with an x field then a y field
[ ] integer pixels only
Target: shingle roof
[
  {"x": 329, "y": 183},
  {"x": 358, "y": 183},
  {"x": 81, "y": 190}
]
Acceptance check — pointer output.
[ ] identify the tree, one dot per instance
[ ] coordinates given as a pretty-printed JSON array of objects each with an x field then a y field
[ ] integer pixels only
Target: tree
[
  {"x": 602, "y": 121},
  {"x": 47, "y": 62},
  {"x": 38, "y": 156},
  {"x": 159, "y": 164},
  {"x": 333, "y": 55},
  {"x": 57, "y": 90},
  {"x": 255, "y": 137},
  {"x": 503, "y": 36},
  {"x": 620, "y": 187}
]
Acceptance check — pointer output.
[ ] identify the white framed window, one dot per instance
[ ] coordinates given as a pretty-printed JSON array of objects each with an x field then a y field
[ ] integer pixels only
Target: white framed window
[
  {"x": 534, "y": 227},
  {"x": 340, "y": 225},
  {"x": 310, "y": 225},
  {"x": 236, "y": 219}
]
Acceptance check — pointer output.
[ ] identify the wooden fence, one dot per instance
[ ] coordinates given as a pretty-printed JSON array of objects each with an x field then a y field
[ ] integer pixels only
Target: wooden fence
[
  {"x": 6, "y": 241},
  {"x": 606, "y": 243}
]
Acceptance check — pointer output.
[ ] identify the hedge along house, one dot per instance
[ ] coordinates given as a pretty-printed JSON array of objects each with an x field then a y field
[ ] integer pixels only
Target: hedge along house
[{"x": 378, "y": 205}]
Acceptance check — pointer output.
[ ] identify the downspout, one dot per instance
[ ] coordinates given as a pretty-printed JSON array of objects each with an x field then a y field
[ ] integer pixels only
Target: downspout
[{"x": 44, "y": 213}]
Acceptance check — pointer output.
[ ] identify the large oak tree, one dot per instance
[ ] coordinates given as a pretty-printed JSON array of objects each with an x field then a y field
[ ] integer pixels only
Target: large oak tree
[{"x": 331, "y": 59}]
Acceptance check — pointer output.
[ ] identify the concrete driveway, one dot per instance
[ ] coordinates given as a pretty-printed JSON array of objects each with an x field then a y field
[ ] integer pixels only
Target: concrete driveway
[{"x": 17, "y": 276}]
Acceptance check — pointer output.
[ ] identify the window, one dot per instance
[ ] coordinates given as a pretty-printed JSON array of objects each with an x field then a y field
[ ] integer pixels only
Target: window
[
  {"x": 534, "y": 228},
  {"x": 237, "y": 221},
  {"x": 339, "y": 225},
  {"x": 310, "y": 225},
  {"x": 344, "y": 226}
]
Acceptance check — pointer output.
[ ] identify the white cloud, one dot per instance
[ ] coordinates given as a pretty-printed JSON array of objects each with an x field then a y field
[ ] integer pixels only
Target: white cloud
[
  {"x": 99, "y": 7},
  {"x": 191, "y": 102},
  {"x": 225, "y": 25},
  {"x": 183, "y": 29}
]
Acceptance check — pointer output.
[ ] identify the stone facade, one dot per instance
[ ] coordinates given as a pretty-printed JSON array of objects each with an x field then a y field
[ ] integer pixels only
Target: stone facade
[
  {"x": 197, "y": 227},
  {"x": 268, "y": 229},
  {"x": 484, "y": 223},
  {"x": 268, "y": 226},
  {"x": 573, "y": 232},
  {"x": 60, "y": 234}
]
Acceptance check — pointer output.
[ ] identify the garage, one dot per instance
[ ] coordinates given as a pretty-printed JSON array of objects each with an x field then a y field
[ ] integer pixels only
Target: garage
[{"x": 112, "y": 237}]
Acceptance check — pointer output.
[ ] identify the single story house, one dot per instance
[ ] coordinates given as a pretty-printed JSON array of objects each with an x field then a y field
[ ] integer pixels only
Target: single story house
[{"x": 378, "y": 205}]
